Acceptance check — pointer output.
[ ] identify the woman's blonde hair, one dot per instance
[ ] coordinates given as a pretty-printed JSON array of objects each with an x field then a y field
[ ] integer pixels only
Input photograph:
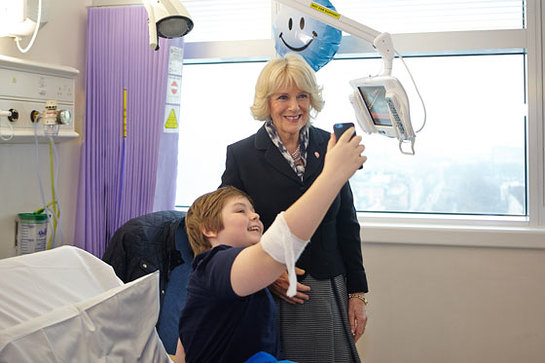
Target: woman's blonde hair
[
  {"x": 279, "y": 73},
  {"x": 205, "y": 215}
]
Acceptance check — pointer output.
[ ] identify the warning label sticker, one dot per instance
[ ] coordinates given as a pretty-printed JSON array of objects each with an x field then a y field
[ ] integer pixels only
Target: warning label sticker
[
  {"x": 172, "y": 115},
  {"x": 174, "y": 85}
]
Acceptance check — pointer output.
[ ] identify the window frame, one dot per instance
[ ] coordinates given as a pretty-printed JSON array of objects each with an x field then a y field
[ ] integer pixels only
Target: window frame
[{"x": 460, "y": 230}]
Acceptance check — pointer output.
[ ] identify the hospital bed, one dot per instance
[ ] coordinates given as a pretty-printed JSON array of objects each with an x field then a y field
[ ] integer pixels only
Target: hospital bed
[{"x": 65, "y": 305}]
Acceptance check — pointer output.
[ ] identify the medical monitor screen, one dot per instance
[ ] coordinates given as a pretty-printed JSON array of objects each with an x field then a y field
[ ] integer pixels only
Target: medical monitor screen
[{"x": 375, "y": 101}]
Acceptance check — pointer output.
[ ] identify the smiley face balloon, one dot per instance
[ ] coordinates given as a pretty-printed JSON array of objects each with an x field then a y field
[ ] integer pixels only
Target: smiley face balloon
[{"x": 302, "y": 34}]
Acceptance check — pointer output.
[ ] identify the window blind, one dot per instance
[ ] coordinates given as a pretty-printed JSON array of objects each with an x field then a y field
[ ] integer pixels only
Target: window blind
[
  {"x": 223, "y": 20},
  {"x": 416, "y": 16}
]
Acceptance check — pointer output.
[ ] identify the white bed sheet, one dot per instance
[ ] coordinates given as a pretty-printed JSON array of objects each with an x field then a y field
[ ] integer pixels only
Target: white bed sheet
[{"x": 66, "y": 305}]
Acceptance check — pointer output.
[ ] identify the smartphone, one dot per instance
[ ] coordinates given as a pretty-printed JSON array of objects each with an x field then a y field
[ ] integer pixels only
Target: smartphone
[{"x": 340, "y": 128}]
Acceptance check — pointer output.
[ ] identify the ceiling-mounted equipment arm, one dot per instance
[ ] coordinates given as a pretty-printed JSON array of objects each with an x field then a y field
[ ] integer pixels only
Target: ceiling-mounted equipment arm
[
  {"x": 380, "y": 102},
  {"x": 381, "y": 41}
]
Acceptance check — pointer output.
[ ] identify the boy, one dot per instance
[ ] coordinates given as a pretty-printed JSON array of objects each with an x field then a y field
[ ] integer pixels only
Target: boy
[{"x": 229, "y": 315}]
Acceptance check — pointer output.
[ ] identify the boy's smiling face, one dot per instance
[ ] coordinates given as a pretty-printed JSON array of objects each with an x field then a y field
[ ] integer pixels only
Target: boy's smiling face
[{"x": 241, "y": 224}]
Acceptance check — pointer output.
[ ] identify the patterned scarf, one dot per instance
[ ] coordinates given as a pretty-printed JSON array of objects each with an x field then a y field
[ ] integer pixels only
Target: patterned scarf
[{"x": 303, "y": 144}]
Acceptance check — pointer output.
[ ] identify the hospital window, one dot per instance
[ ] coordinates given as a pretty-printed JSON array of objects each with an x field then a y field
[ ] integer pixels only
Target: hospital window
[{"x": 471, "y": 156}]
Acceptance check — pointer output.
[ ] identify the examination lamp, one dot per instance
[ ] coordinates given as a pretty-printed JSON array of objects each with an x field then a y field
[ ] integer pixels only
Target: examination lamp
[
  {"x": 166, "y": 19},
  {"x": 380, "y": 103},
  {"x": 15, "y": 23}
]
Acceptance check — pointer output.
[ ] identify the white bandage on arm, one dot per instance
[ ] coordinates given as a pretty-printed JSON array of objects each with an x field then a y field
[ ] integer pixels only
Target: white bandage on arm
[{"x": 284, "y": 247}]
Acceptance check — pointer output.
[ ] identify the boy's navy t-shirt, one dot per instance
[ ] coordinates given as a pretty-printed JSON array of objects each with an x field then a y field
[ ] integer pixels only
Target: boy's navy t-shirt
[{"x": 216, "y": 325}]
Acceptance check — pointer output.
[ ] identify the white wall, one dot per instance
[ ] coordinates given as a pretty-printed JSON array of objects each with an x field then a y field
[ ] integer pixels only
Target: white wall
[
  {"x": 454, "y": 304},
  {"x": 61, "y": 41},
  {"x": 428, "y": 303}
]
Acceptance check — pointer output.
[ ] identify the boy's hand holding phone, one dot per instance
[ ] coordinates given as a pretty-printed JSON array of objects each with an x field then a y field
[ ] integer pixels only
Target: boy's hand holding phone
[{"x": 340, "y": 128}]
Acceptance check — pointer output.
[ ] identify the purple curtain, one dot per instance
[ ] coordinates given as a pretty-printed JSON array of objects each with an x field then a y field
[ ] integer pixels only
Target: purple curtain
[{"x": 119, "y": 174}]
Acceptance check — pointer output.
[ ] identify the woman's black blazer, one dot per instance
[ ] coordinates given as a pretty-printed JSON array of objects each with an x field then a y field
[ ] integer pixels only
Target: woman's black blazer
[{"x": 255, "y": 166}]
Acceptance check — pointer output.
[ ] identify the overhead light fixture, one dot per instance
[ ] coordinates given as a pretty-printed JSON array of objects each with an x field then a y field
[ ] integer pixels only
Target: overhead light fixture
[
  {"x": 167, "y": 19},
  {"x": 15, "y": 23}
]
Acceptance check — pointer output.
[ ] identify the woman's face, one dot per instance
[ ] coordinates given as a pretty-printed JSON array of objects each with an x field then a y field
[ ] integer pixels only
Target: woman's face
[{"x": 289, "y": 110}]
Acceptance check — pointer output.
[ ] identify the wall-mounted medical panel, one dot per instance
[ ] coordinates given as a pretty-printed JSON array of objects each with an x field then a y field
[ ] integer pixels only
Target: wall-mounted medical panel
[{"x": 25, "y": 87}]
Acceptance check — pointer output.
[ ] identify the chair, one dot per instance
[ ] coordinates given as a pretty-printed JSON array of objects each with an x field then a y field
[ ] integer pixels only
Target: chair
[
  {"x": 156, "y": 241},
  {"x": 176, "y": 292}
]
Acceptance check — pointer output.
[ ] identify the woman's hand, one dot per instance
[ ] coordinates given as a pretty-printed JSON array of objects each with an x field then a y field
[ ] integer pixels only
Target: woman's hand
[
  {"x": 357, "y": 316},
  {"x": 280, "y": 286},
  {"x": 180, "y": 353}
]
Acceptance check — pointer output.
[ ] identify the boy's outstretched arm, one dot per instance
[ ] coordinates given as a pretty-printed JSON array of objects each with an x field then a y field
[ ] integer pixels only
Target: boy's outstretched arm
[{"x": 254, "y": 268}]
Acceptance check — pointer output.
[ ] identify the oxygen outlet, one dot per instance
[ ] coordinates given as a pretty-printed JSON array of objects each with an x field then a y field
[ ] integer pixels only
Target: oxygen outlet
[
  {"x": 14, "y": 115},
  {"x": 34, "y": 116},
  {"x": 64, "y": 117}
]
